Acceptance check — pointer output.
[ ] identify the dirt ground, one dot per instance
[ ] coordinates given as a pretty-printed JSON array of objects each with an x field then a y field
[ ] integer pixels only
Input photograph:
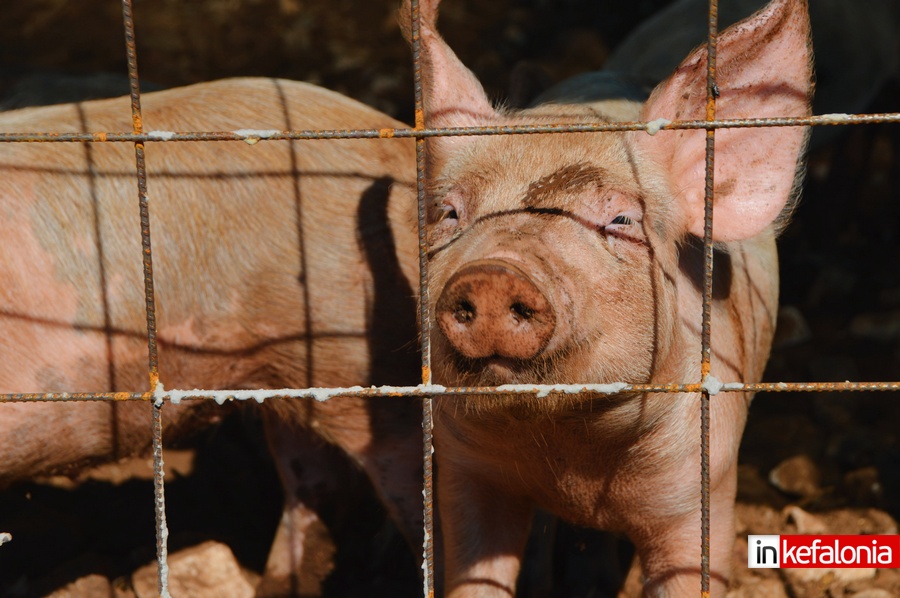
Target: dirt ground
[{"x": 825, "y": 462}]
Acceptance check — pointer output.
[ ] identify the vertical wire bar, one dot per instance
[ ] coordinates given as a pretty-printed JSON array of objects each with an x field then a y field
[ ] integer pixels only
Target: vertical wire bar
[
  {"x": 162, "y": 532},
  {"x": 711, "y": 93},
  {"x": 159, "y": 495},
  {"x": 137, "y": 125},
  {"x": 424, "y": 318}
]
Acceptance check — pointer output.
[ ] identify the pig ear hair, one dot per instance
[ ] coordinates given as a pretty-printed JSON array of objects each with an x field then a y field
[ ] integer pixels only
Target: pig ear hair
[
  {"x": 764, "y": 70},
  {"x": 452, "y": 95}
]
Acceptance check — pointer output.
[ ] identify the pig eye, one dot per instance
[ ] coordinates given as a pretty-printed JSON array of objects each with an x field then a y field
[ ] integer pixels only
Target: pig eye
[
  {"x": 622, "y": 219},
  {"x": 625, "y": 227},
  {"x": 449, "y": 213}
]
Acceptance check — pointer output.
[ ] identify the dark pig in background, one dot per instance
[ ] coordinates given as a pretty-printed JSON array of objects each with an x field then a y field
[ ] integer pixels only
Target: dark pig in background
[
  {"x": 856, "y": 45},
  {"x": 575, "y": 259}
]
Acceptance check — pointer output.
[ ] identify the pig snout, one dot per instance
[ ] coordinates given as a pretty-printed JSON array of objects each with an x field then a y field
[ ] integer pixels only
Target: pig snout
[{"x": 492, "y": 309}]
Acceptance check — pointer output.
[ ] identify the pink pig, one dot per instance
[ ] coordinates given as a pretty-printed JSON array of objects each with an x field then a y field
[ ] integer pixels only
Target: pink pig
[
  {"x": 277, "y": 265},
  {"x": 575, "y": 258}
]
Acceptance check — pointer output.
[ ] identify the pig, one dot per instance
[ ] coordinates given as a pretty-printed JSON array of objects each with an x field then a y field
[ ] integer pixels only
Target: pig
[
  {"x": 277, "y": 265},
  {"x": 577, "y": 259}
]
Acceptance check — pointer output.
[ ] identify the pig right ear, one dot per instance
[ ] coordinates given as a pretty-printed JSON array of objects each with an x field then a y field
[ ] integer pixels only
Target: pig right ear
[
  {"x": 452, "y": 95},
  {"x": 763, "y": 70}
]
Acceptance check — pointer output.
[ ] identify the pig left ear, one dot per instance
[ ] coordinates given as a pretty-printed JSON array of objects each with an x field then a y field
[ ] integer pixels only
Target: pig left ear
[
  {"x": 451, "y": 94},
  {"x": 763, "y": 69}
]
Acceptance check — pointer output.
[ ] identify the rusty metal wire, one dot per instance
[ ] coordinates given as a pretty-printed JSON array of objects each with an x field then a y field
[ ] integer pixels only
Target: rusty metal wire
[
  {"x": 159, "y": 504},
  {"x": 424, "y": 316},
  {"x": 150, "y": 303},
  {"x": 252, "y": 137},
  {"x": 712, "y": 93}
]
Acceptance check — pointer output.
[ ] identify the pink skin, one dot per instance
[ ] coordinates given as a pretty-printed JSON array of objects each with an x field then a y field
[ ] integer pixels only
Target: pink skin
[
  {"x": 592, "y": 240},
  {"x": 253, "y": 289}
]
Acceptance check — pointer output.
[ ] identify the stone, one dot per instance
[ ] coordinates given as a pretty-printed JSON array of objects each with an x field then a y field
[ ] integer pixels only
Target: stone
[
  {"x": 89, "y": 586},
  {"x": 208, "y": 570},
  {"x": 797, "y": 475},
  {"x": 755, "y": 587}
]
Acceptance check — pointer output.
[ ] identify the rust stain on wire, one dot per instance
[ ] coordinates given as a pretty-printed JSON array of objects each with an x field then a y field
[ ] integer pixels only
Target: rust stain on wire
[
  {"x": 309, "y": 134},
  {"x": 424, "y": 316}
]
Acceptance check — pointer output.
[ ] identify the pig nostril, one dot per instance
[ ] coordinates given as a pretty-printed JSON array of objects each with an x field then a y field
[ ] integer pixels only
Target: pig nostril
[
  {"x": 521, "y": 311},
  {"x": 464, "y": 312}
]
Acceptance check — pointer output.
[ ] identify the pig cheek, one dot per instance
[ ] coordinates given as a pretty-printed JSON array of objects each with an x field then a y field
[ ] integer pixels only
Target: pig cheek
[
  {"x": 444, "y": 370},
  {"x": 662, "y": 274},
  {"x": 623, "y": 320},
  {"x": 443, "y": 365}
]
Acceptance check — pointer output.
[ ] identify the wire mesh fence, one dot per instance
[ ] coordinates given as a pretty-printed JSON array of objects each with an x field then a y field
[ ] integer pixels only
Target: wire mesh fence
[{"x": 159, "y": 396}]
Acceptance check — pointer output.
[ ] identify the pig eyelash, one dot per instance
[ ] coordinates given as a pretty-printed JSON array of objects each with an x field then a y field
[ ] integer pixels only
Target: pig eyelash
[
  {"x": 623, "y": 227},
  {"x": 621, "y": 224}
]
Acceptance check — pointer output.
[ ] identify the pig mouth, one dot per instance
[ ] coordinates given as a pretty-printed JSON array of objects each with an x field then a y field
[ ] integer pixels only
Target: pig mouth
[{"x": 496, "y": 370}]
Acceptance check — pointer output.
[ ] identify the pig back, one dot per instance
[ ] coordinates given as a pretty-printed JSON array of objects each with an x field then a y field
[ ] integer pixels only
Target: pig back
[{"x": 270, "y": 260}]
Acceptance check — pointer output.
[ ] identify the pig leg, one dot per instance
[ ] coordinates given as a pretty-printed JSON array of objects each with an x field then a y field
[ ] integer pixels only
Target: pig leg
[
  {"x": 387, "y": 445},
  {"x": 371, "y": 434},
  {"x": 670, "y": 553},
  {"x": 382, "y": 436},
  {"x": 302, "y": 551},
  {"x": 301, "y": 556},
  {"x": 394, "y": 467},
  {"x": 484, "y": 533}
]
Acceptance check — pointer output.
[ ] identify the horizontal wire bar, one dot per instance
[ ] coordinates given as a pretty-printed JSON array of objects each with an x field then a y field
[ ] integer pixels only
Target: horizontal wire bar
[
  {"x": 712, "y": 386},
  {"x": 253, "y": 136}
]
